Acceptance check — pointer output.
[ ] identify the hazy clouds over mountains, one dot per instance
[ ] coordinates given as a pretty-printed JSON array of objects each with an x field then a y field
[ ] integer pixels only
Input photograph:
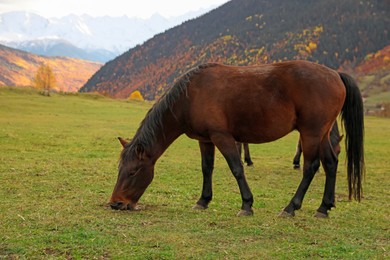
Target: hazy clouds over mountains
[{"x": 86, "y": 37}]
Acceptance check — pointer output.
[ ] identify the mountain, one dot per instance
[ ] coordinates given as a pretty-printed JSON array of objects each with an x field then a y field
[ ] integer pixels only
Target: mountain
[
  {"x": 339, "y": 34},
  {"x": 57, "y": 47},
  {"x": 85, "y": 37},
  {"x": 18, "y": 68}
]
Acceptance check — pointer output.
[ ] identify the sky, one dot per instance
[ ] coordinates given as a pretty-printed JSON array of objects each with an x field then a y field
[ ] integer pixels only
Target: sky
[{"x": 131, "y": 8}]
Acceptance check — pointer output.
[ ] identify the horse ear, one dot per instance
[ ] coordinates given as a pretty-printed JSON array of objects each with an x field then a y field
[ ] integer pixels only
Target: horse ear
[
  {"x": 341, "y": 138},
  {"x": 122, "y": 141},
  {"x": 140, "y": 152}
]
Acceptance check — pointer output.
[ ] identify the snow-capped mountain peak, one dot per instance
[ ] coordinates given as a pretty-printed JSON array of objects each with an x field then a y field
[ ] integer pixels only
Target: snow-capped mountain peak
[{"x": 113, "y": 35}]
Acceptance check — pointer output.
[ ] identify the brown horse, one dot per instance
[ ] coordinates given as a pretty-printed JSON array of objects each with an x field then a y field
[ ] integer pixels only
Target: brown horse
[
  {"x": 219, "y": 105},
  {"x": 335, "y": 140}
]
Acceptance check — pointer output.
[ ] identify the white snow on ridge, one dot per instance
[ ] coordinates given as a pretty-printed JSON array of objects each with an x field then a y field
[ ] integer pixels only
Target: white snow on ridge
[{"x": 114, "y": 34}]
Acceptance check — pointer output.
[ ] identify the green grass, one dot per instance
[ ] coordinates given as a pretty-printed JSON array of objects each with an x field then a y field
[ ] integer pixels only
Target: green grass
[{"x": 58, "y": 166}]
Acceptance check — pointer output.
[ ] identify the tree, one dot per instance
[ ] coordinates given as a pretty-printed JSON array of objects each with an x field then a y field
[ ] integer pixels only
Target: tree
[
  {"x": 136, "y": 95},
  {"x": 44, "y": 79}
]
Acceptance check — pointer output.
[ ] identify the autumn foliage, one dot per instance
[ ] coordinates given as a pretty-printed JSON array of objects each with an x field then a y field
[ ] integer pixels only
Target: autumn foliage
[
  {"x": 44, "y": 79},
  {"x": 136, "y": 95},
  {"x": 18, "y": 68}
]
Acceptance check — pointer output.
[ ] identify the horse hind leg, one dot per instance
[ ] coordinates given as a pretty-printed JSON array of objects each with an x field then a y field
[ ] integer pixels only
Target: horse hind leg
[
  {"x": 310, "y": 167},
  {"x": 297, "y": 157},
  {"x": 208, "y": 154},
  {"x": 247, "y": 156},
  {"x": 329, "y": 162}
]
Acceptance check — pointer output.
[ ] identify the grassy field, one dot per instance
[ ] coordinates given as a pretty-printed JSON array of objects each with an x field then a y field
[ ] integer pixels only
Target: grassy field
[{"x": 58, "y": 167}]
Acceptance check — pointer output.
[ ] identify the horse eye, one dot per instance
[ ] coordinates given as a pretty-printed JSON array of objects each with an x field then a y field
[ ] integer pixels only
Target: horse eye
[{"x": 134, "y": 172}]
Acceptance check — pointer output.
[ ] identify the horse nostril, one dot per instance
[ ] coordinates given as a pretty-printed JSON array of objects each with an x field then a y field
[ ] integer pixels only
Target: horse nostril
[{"x": 116, "y": 205}]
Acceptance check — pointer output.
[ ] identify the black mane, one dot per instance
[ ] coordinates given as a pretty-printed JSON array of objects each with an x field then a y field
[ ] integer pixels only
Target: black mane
[{"x": 147, "y": 132}]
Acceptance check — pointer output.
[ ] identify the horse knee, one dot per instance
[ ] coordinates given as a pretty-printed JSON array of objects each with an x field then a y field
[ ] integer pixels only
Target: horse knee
[
  {"x": 311, "y": 167},
  {"x": 238, "y": 172},
  {"x": 315, "y": 165}
]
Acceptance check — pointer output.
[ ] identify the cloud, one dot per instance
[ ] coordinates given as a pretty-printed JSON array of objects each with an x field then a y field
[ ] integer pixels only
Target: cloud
[{"x": 131, "y": 8}]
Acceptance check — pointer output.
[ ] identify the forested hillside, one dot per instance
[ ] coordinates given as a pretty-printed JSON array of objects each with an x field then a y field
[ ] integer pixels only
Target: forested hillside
[
  {"x": 339, "y": 34},
  {"x": 18, "y": 68}
]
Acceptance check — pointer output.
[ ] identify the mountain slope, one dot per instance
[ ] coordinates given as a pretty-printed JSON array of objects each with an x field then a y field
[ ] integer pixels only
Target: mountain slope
[
  {"x": 332, "y": 32},
  {"x": 18, "y": 68}
]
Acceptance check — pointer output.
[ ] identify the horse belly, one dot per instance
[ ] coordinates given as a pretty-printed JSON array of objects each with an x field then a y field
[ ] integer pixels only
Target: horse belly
[{"x": 264, "y": 128}]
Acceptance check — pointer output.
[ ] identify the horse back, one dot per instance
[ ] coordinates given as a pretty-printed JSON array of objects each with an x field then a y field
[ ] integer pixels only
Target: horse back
[{"x": 263, "y": 103}]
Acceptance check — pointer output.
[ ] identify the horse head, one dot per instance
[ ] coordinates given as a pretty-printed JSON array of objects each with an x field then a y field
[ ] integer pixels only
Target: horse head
[{"x": 135, "y": 173}]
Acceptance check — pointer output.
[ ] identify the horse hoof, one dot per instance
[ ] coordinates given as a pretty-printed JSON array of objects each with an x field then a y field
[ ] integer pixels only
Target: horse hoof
[
  {"x": 199, "y": 207},
  {"x": 245, "y": 213},
  {"x": 285, "y": 214},
  {"x": 321, "y": 215},
  {"x": 297, "y": 166}
]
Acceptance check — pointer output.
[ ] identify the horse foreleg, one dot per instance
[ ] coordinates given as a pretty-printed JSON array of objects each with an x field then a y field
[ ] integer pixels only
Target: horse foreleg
[
  {"x": 226, "y": 145},
  {"x": 310, "y": 167},
  {"x": 297, "y": 157},
  {"x": 329, "y": 163},
  {"x": 247, "y": 156},
  {"x": 207, "y": 152}
]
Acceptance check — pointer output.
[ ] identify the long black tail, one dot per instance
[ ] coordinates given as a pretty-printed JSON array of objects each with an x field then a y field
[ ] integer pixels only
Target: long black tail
[{"x": 352, "y": 116}]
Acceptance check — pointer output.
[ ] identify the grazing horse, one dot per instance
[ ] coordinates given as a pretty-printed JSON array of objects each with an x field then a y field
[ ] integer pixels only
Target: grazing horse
[{"x": 219, "y": 105}]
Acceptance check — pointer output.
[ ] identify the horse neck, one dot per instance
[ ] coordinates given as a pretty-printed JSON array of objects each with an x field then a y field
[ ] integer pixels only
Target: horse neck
[
  {"x": 165, "y": 132},
  {"x": 165, "y": 121}
]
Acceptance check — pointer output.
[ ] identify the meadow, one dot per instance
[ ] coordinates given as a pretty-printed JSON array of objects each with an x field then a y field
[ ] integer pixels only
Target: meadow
[{"x": 58, "y": 166}]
